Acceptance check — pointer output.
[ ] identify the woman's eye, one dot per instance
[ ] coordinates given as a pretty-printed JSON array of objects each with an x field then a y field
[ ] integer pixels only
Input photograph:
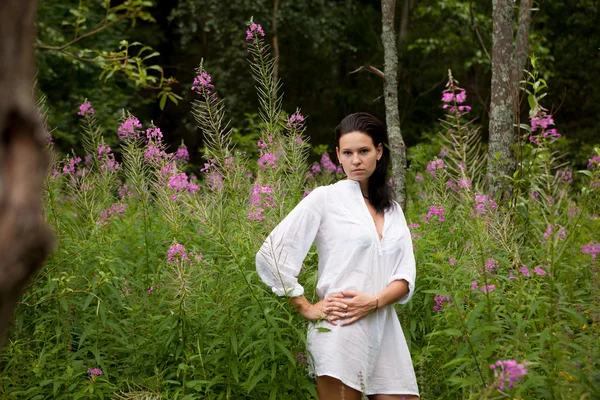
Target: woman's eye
[{"x": 365, "y": 151}]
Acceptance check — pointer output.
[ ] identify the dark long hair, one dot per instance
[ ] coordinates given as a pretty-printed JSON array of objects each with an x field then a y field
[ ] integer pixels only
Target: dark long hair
[{"x": 380, "y": 193}]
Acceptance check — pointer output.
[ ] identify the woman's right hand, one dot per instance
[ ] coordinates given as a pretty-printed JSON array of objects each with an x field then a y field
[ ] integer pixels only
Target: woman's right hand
[{"x": 321, "y": 310}]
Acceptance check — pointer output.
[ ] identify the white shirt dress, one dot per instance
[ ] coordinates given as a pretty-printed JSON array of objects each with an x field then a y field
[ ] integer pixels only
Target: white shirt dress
[{"x": 371, "y": 354}]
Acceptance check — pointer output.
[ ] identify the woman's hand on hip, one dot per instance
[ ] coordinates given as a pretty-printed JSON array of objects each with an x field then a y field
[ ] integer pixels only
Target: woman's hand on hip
[
  {"x": 323, "y": 309},
  {"x": 358, "y": 304}
]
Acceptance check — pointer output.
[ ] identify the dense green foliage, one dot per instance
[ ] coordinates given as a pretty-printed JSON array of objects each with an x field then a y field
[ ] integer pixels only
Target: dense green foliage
[{"x": 152, "y": 292}]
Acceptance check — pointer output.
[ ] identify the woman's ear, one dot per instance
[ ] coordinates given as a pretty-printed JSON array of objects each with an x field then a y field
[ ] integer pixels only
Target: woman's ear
[
  {"x": 337, "y": 154},
  {"x": 379, "y": 151}
]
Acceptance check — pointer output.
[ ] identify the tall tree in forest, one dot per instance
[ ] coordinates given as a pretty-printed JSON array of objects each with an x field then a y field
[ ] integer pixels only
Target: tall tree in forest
[
  {"x": 390, "y": 93},
  {"x": 25, "y": 240},
  {"x": 508, "y": 61}
]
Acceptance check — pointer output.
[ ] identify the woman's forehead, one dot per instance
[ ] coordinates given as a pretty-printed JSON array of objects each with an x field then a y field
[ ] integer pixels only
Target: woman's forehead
[{"x": 355, "y": 140}]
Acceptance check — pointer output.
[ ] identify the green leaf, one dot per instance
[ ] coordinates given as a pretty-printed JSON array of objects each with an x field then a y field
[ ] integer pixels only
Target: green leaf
[{"x": 322, "y": 329}]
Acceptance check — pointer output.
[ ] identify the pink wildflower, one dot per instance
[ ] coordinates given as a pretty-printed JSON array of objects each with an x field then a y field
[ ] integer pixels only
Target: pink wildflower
[
  {"x": 127, "y": 130},
  {"x": 525, "y": 271},
  {"x": 507, "y": 372},
  {"x": 154, "y": 133},
  {"x": 439, "y": 302},
  {"x": 203, "y": 81},
  {"x": 433, "y": 210},
  {"x": 176, "y": 253},
  {"x": 296, "y": 120},
  {"x": 94, "y": 371},
  {"x": 491, "y": 265},
  {"x": 182, "y": 154},
  {"x": 592, "y": 249},
  {"x": 434, "y": 165},
  {"x": 86, "y": 110},
  {"x": 539, "y": 271}
]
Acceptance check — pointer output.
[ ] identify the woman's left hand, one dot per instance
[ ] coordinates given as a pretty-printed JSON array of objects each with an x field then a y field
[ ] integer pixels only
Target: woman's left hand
[{"x": 359, "y": 304}]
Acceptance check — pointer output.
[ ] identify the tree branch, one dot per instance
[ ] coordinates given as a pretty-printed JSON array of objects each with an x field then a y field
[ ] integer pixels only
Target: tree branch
[
  {"x": 42, "y": 46},
  {"x": 371, "y": 69},
  {"x": 476, "y": 29}
]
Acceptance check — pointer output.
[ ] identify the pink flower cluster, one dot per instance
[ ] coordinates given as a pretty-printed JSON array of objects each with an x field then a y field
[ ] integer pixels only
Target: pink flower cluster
[
  {"x": 592, "y": 249},
  {"x": 154, "y": 133},
  {"x": 127, "y": 130},
  {"x": 86, "y": 110},
  {"x": 525, "y": 271},
  {"x": 560, "y": 232},
  {"x": 182, "y": 154},
  {"x": 296, "y": 120},
  {"x": 94, "y": 371},
  {"x": 268, "y": 159},
  {"x": 433, "y": 210},
  {"x": 507, "y": 372},
  {"x": 439, "y": 302},
  {"x": 435, "y": 165},
  {"x": 69, "y": 168},
  {"x": 483, "y": 205},
  {"x": 214, "y": 181},
  {"x": 491, "y": 265},
  {"x": 107, "y": 159},
  {"x": 448, "y": 96},
  {"x": 253, "y": 32},
  {"x": 114, "y": 210},
  {"x": 564, "y": 176},
  {"x": 485, "y": 288},
  {"x": 180, "y": 183},
  {"x": 176, "y": 253},
  {"x": 153, "y": 154},
  {"x": 329, "y": 166},
  {"x": 594, "y": 162},
  {"x": 261, "y": 197},
  {"x": 543, "y": 121},
  {"x": 203, "y": 81}
]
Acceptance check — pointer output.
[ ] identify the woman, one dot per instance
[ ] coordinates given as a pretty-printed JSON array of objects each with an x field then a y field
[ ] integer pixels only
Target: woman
[{"x": 366, "y": 264}]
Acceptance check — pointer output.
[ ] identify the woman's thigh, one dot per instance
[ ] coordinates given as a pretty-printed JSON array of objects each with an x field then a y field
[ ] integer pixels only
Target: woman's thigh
[
  {"x": 393, "y": 397},
  {"x": 330, "y": 388}
]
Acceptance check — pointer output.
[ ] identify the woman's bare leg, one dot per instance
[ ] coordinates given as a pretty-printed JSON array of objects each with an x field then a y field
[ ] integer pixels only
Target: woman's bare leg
[
  {"x": 393, "y": 397},
  {"x": 330, "y": 388}
]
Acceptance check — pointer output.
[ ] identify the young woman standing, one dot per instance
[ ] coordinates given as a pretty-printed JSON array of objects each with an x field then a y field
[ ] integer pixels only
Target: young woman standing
[{"x": 366, "y": 264}]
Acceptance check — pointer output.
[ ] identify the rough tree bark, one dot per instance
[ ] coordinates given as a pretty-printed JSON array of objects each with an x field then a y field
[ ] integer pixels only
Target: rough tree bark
[
  {"x": 522, "y": 41},
  {"x": 501, "y": 158},
  {"x": 390, "y": 93},
  {"x": 25, "y": 240}
]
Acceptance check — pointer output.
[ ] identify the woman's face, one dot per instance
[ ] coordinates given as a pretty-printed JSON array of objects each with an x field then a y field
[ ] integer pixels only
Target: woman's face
[{"x": 358, "y": 155}]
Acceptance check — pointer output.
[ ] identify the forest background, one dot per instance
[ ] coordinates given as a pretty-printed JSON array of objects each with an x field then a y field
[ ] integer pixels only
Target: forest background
[{"x": 321, "y": 43}]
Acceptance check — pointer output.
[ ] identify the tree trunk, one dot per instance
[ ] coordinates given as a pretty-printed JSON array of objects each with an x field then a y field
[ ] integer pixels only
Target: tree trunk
[
  {"x": 390, "y": 93},
  {"x": 522, "y": 40},
  {"x": 25, "y": 240},
  {"x": 275, "y": 41},
  {"x": 404, "y": 21},
  {"x": 501, "y": 158}
]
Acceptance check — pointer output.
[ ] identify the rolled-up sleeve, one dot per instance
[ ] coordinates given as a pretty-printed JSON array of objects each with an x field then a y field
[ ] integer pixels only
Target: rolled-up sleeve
[{"x": 280, "y": 258}]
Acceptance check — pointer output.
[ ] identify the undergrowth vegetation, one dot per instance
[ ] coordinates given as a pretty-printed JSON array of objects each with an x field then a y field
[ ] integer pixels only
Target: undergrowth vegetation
[{"x": 152, "y": 293}]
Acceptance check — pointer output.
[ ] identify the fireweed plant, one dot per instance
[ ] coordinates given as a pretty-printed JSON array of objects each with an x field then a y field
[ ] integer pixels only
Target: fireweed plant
[{"x": 152, "y": 291}]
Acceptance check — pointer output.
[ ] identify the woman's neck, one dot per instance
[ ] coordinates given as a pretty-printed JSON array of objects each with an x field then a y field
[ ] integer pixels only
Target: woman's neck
[{"x": 364, "y": 188}]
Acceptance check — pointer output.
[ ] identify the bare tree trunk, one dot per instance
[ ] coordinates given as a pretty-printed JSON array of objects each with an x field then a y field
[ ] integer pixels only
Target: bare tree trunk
[
  {"x": 25, "y": 240},
  {"x": 522, "y": 40},
  {"x": 404, "y": 21},
  {"x": 390, "y": 93},
  {"x": 275, "y": 40},
  {"x": 501, "y": 158}
]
